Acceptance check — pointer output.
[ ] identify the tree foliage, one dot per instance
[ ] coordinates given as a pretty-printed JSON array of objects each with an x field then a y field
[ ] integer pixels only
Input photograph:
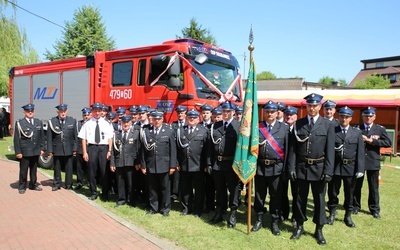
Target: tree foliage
[
  {"x": 327, "y": 80},
  {"x": 373, "y": 81},
  {"x": 196, "y": 31},
  {"x": 84, "y": 35},
  {"x": 15, "y": 48},
  {"x": 266, "y": 75}
]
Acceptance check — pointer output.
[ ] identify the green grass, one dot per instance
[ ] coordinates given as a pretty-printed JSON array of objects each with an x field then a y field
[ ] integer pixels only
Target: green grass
[{"x": 195, "y": 233}]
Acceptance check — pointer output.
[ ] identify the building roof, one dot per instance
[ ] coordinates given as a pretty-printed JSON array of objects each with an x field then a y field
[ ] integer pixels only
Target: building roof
[{"x": 380, "y": 71}]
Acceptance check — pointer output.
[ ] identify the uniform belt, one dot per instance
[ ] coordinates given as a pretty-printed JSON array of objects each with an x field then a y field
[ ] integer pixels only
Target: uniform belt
[
  {"x": 98, "y": 145},
  {"x": 224, "y": 158},
  {"x": 269, "y": 161},
  {"x": 310, "y": 161},
  {"x": 347, "y": 161}
]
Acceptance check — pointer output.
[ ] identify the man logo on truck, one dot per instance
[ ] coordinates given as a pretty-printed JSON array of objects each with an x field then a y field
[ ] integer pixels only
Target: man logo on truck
[{"x": 46, "y": 93}]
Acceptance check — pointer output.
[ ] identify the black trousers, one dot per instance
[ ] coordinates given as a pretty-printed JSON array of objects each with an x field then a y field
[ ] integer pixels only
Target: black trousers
[
  {"x": 285, "y": 208},
  {"x": 139, "y": 185},
  {"x": 29, "y": 162},
  {"x": 209, "y": 191},
  {"x": 373, "y": 191},
  {"x": 174, "y": 179},
  {"x": 190, "y": 181},
  {"x": 349, "y": 183},
  {"x": 124, "y": 181},
  {"x": 226, "y": 180},
  {"x": 67, "y": 162},
  {"x": 81, "y": 167},
  {"x": 97, "y": 162},
  {"x": 318, "y": 189},
  {"x": 274, "y": 185},
  {"x": 159, "y": 192}
]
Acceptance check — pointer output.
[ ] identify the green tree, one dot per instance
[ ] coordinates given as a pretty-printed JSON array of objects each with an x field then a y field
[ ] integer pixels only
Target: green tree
[
  {"x": 373, "y": 81},
  {"x": 196, "y": 31},
  {"x": 266, "y": 75},
  {"x": 15, "y": 48},
  {"x": 84, "y": 35},
  {"x": 327, "y": 80}
]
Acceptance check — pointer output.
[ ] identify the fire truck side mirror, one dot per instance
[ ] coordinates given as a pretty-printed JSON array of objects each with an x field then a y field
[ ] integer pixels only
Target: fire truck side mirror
[
  {"x": 174, "y": 82},
  {"x": 175, "y": 69},
  {"x": 201, "y": 59}
]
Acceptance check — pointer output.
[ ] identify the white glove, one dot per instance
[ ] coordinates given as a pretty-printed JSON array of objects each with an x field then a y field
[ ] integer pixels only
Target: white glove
[{"x": 359, "y": 175}]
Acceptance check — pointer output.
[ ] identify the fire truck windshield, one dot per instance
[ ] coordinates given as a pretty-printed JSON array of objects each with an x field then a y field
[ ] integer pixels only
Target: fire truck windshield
[{"x": 219, "y": 74}]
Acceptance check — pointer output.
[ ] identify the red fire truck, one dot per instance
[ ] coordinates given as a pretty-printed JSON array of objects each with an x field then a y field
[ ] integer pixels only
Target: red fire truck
[{"x": 177, "y": 72}]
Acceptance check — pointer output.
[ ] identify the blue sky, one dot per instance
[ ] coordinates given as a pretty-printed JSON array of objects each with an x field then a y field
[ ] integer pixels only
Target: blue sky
[{"x": 308, "y": 38}]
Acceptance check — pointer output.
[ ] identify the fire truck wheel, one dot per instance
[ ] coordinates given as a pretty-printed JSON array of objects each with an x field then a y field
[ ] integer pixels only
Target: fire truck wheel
[{"x": 46, "y": 161}]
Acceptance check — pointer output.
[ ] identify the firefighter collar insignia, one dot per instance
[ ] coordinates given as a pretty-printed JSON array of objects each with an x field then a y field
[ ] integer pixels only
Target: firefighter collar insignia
[
  {"x": 57, "y": 127},
  {"x": 151, "y": 140}
]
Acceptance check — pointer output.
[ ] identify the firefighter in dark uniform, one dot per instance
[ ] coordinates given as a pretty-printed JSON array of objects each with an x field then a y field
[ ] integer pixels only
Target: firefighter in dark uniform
[
  {"x": 224, "y": 136},
  {"x": 310, "y": 161},
  {"x": 62, "y": 144},
  {"x": 193, "y": 156},
  {"x": 349, "y": 164},
  {"x": 134, "y": 114},
  {"x": 238, "y": 113},
  {"x": 274, "y": 140},
  {"x": 216, "y": 114},
  {"x": 125, "y": 159},
  {"x": 209, "y": 188},
  {"x": 281, "y": 108},
  {"x": 290, "y": 117},
  {"x": 158, "y": 161},
  {"x": 329, "y": 111},
  {"x": 29, "y": 144},
  {"x": 181, "y": 122},
  {"x": 81, "y": 165},
  {"x": 375, "y": 137},
  {"x": 96, "y": 135}
]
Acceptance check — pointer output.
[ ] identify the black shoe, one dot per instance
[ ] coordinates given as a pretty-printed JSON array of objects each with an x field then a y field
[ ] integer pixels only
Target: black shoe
[
  {"x": 297, "y": 232},
  {"x": 275, "y": 228},
  {"x": 93, "y": 197},
  {"x": 216, "y": 219},
  {"x": 55, "y": 188},
  {"x": 320, "y": 237},
  {"x": 151, "y": 211},
  {"x": 331, "y": 218},
  {"x": 376, "y": 215},
  {"x": 78, "y": 186},
  {"x": 165, "y": 213},
  {"x": 69, "y": 188},
  {"x": 36, "y": 189},
  {"x": 355, "y": 211},
  {"x": 349, "y": 222},
  {"x": 232, "y": 219},
  {"x": 257, "y": 226},
  {"x": 120, "y": 204},
  {"x": 21, "y": 191}
]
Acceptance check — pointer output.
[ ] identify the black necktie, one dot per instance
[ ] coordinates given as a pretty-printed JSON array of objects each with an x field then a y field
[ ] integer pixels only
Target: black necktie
[
  {"x": 97, "y": 133},
  {"x": 190, "y": 130},
  {"x": 226, "y": 125},
  {"x": 269, "y": 127},
  {"x": 125, "y": 137},
  {"x": 30, "y": 121},
  {"x": 311, "y": 122},
  {"x": 344, "y": 131},
  {"x": 156, "y": 131},
  {"x": 367, "y": 128}
]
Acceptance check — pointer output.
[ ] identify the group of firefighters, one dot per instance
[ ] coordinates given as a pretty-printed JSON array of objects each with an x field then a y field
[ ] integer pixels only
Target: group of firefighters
[{"x": 137, "y": 156}]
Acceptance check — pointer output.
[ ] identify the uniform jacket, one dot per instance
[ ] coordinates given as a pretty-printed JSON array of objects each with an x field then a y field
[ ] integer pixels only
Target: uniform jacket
[
  {"x": 226, "y": 146},
  {"x": 193, "y": 149},
  {"x": 62, "y": 139},
  {"x": 162, "y": 157},
  {"x": 175, "y": 125},
  {"x": 125, "y": 153},
  {"x": 79, "y": 125},
  {"x": 349, "y": 152},
  {"x": 31, "y": 139},
  {"x": 320, "y": 143},
  {"x": 280, "y": 132},
  {"x": 381, "y": 139}
]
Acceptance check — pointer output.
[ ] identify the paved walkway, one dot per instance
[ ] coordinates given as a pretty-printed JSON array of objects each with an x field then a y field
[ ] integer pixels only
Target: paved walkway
[{"x": 61, "y": 220}]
